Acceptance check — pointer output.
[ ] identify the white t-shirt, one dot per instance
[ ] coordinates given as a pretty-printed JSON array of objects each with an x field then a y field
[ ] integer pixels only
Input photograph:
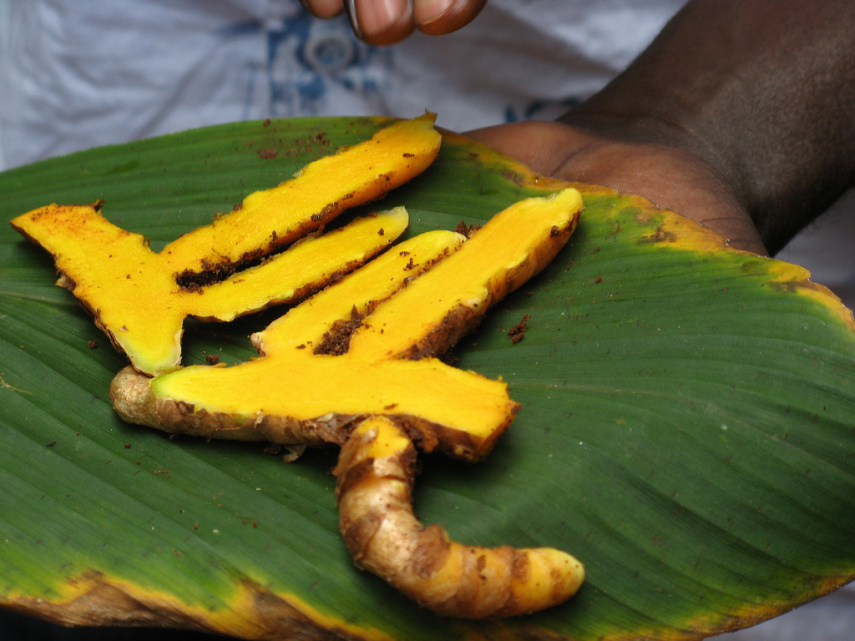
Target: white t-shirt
[
  {"x": 76, "y": 74},
  {"x": 80, "y": 74}
]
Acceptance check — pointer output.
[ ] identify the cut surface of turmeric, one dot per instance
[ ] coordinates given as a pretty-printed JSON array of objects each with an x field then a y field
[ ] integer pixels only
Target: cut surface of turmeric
[
  {"x": 316, "y": 195},
  {"x": 134, "y": 298},
  {"x": 140, "y": 298},
  {"x": 293, "y": 395},
  {"x": 389, "y": 366}
]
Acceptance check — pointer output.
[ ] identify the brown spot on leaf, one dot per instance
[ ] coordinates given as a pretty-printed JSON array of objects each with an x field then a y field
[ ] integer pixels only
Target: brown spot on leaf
[
  {"x": 517, "y": 332},
  {"x": 659, "y": 236}
]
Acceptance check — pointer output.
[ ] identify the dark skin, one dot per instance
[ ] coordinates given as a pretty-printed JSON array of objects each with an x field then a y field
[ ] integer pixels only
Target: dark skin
[
  {"x": 740, "y": 115},
  {"x": 672, "y": 178}
]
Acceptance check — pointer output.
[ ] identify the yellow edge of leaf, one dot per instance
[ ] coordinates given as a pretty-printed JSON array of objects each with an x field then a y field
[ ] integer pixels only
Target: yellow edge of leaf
[
  {"x": 513, "y": 170},
  {"x": 798, "y": 278},
  {"x": 95, "y": 599},
  {"x": 679, "y": 232},
  {"x": 675, "y": 231}
]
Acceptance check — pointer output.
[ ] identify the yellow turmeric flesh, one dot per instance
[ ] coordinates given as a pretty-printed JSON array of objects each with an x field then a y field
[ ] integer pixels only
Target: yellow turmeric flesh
[
  {"x": 375, "y": 476},
  {"x": 511, "y": 248},
  {"x": 314, "y": 380},
  {"x": 317, "y": 194},
  {"x": 140, "y": 298},
  {"x": 294, "y": 395},
  {"x": 136, "y": 301}
]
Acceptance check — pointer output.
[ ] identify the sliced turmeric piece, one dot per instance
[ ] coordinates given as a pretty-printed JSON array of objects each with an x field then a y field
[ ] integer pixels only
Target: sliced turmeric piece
[
  {"x": 294, "y": 393},
  {"x": 325, "y": 321},
  {"x": 136, "y": 301},
  {"x": 317, "y": 194},
  {"x": 375, "y": 475},
  {"x": 140, "y": 299},
  {"x": 513, "y": 246}
]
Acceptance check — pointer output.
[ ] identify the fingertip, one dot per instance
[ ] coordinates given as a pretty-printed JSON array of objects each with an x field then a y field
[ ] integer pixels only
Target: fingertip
[
  {"x": 439, "y": 17},
  {"x": 323, "y": 8}
]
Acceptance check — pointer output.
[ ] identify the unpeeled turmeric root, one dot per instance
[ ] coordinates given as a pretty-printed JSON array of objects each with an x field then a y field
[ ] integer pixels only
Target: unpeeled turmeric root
[{"x": 375, "y": 476}]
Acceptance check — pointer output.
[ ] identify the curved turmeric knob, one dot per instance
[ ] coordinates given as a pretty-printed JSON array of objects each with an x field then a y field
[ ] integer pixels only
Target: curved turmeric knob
[{"x": 375, "y": 480}]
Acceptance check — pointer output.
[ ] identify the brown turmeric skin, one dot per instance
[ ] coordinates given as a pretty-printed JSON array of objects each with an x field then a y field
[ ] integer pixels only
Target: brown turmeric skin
[{"x": 375, "y": 476}]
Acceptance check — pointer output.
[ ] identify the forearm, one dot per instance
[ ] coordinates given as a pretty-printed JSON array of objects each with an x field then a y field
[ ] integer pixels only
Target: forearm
[{"x": 763, "y": 91}]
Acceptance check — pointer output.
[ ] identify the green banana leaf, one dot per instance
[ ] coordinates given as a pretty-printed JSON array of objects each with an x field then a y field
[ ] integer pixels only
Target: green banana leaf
[{"x": 687, "y": 426}]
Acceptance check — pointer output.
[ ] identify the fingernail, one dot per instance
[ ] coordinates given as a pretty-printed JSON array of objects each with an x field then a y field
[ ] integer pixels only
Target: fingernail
[
  {"x": 350, "y": 8},
  {"x": 427, "y": 11},
  {"x": 377, "y": 17}
]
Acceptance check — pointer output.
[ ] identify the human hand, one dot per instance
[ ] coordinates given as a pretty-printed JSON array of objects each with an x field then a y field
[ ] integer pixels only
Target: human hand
[
  {"x": 384, "y": 22},
  {"x": 671, "y": 177}
]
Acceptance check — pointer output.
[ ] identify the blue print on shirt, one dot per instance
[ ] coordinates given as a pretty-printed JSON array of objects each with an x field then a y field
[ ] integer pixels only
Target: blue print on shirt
[{"x": 314, "y": 67}]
